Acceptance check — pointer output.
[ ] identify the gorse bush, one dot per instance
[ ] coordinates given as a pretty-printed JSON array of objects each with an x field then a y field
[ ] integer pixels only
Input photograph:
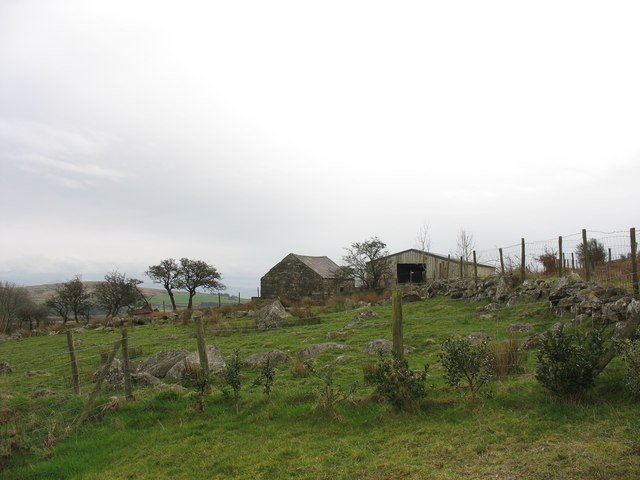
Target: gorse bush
[
  {"x": 567, "y": 362},
  {"x": 507, "y": 357},
  {"x": 468, "y": 363},
  {"x": 630, "y": 350},
  {"x": 397, "y": 384},
  {"x": 328, "y": 394},
  {"x": 232, "y": 379}
]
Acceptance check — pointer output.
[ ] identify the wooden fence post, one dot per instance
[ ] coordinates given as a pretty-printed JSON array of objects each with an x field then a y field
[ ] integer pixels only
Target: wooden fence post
[
  {"x": 475, "y": 268},
  {"x": 573, "y": 262},
  {"x": 398, "y": 341},
  {"x": 501, "y": 261},
  {"x": 523, "y": 262},
  {"x": 75, "y": 376},
  {"x": 634, "y": 262},
  {"x": 202, "y": 347},
  {"x": 585, "y": 254},
  {"x": 128, "y": 391},
  {"x": 94, "y": 394},
  {"x": 560, "y": 255},
  {"x": 448, "y": 265},
  {"x": 461, "y": 270}
]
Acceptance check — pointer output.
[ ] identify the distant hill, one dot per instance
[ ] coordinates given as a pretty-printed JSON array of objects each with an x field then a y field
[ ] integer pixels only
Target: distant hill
[
  {"x": 39, "y": 293},
  {"x": 155, "y": 296}
]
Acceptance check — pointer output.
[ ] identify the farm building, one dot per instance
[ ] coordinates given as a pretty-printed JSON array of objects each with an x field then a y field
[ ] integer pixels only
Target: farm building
[
  {"x": 417, "y": 266},
  {"x": 298, "y": 276}
]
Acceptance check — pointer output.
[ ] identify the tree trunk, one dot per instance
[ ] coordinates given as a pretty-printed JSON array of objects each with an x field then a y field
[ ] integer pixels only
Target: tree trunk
[
  {"x": 191, "y": 294},
  {"x": 173, "y": 300}
]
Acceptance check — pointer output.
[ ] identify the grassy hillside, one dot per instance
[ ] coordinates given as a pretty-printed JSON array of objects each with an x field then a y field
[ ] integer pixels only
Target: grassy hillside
[
  {"x": 182, "y": 299},
  {"x": 513, "y": 431}
]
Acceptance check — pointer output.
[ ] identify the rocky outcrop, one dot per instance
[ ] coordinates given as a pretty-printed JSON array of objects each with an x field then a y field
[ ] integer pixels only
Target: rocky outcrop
[
  {"x": 313, "y": 350},
  {"x": 191, "y": 363},
  {"x": 259, "y": 360},
  {"x": 160, "y": 363},
  {"x": 273, "y": 315},
  {"x": 381, "y": 345}
]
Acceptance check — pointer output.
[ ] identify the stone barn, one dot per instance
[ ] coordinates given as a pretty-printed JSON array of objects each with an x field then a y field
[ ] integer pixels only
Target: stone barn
[
  {"x": 417, "y": 266},
  {"x": 298, "y": 276}
]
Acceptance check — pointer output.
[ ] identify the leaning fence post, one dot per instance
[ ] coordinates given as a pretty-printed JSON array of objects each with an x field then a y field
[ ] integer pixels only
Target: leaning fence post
[
  {"x": 634, "y": 262},
  {"x": 585, "y": 255},
  {"x": 94, "y": 394},
  {"x": 523, "y": 262},
  {"x": 398, "y": 341},
  {"x": 560, "y": 255},
  {"x": 128, "y": 391},
  {"x": 475, "y": 268},
  {"x": 501, "y": 261},
  {"x": 75, "y": 377}
]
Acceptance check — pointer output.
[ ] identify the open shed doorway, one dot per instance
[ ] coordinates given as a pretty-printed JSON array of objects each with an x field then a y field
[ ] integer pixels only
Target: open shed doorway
[{"x": 411, "y": 273}]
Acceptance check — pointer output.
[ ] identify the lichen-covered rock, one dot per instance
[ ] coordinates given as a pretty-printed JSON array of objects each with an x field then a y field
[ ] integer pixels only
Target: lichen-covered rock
[
  {"x": 313, "y": 350},
  {"x": 114, "y": 378},
  {"x": 381, "y": 345},
  {"x": 259, "y": 360},
  {"x": 339, "y": 334},
  {"x": 192, "y": 362},
  {"x": 273, "y": 315},
  {"x": 478, "y": 337},
  {"x": 519, "y": 327},
  {"x": 5, "y": 367},
  {"x": 160, "y": 363}
]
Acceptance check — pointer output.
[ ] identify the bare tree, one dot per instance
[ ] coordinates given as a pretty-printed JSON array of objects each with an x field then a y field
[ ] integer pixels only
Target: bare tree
[
  {"x": 71, "y": 297},
  {"x": 465, "y": 245},
  {"x": 168, "y": 273},
  {"x": 195, "y": 274},
  {"x": 423, "y": 241},
  {"x": 118, "y": 291},
  {"x": 32, "y": 313},
  {"x": 366, "y": 262},
  {"x": 12, "y": 299}
]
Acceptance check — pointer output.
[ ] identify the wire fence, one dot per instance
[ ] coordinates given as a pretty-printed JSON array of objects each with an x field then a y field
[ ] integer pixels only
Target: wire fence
[{"x": 45, "y": 375}]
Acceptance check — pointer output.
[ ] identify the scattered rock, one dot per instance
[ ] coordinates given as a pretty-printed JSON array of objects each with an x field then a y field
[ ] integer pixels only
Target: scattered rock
[
  {"x": 5, "y": 367},
  {"x": 273, "y": 315},
  {"x": 411, "y": 296},
  {"x": 364, "y": 315},
  {"x": 492, "y": 307},
  {"x": 478, "y": 337},
  {"x": 162, "y": 387},
  {"x": 160, "y": 363},
  {"x": 342, "y": 358},
  {"x": 338, "y": 335},
  {"x": 43, "y": 392},
  {"x": 313, "y": 350},
  {"x": 533, "y": 341},
  {"x": 381, "y": 345},
  {"x": 115, "y": 376},
  {"x": 519, "y": 327},
  {"x": 259, "y": 360},
  {"x": 192, "y": 361}
]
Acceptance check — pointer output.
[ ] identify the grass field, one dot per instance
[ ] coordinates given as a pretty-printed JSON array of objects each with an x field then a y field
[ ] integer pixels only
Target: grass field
[
  {"x": 515, "y": 430},
  {"x": 182, "y": 299}
]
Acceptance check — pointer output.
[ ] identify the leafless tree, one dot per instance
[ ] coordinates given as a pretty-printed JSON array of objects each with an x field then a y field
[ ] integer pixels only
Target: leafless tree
[
  {"x": 118, "y": 291},
  {"x": 71, "y": 297},
  {"x": 367, "y": 263},
  {"x": 12, "y": 299},
  {"x": 423, "y": 240},
  {"x": 465, "y": 245}
]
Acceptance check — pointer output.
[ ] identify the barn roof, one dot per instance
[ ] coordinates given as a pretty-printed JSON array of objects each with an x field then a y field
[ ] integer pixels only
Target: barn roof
[{"x": 323, "y": 266}]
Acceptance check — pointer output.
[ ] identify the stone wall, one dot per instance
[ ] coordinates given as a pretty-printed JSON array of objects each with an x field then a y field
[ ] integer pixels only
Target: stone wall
[{"x": 291, "y": 279}]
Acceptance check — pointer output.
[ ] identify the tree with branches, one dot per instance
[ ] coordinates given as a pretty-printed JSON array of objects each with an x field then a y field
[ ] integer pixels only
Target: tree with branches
[
  {"x": 71, "y": 297},
  {"x": 465, "y": 245},
  {"x": 367, "y": 263},
  {"x": 118, "y": 291},
  {"x": 167, "y": 273},
  {"x": 195, "y": 274},
  {"x": 12, "y": 299}
]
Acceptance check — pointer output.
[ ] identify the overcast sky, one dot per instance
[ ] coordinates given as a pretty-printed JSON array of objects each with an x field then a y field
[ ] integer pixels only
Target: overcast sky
[{"x": 238, "y": 132}]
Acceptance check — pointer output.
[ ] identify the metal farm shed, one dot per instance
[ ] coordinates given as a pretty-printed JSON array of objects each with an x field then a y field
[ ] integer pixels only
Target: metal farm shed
[{"x": 417, "y": 266}]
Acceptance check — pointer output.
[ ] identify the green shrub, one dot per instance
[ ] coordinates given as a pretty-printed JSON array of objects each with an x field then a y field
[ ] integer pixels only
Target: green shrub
[
  {"x": 267, "y": 377},
  {"x": 232, "y": 378},
  {"x": 567, "y": 362},
  {"x": 328, "y": 394},
  {"x": 397, "y": 384},
  {"x": 468, "y": 363},
  {"x": 631, "y": 357}
]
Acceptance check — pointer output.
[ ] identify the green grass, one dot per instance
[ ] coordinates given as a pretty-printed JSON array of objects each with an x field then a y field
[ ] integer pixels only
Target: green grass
[
  {"x": 515, "y": 430},
  {"x": 182, "y": 299}
]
